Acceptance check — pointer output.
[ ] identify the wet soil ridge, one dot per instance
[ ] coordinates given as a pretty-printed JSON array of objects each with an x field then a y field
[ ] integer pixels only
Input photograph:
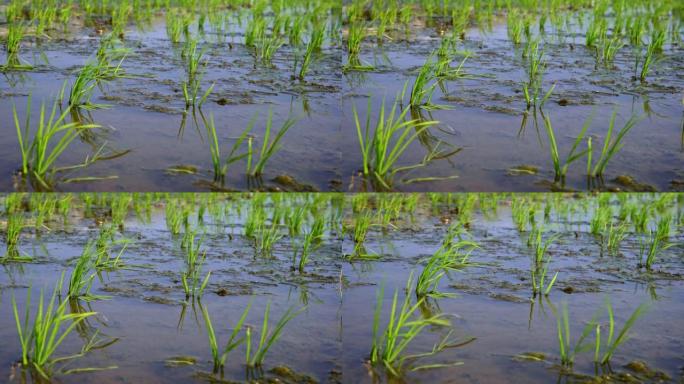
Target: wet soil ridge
[{"x": 304, "y": 288}]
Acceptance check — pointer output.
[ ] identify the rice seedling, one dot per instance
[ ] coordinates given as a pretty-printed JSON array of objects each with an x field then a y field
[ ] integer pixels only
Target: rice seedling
[
  {"x": 269, "y": 147},
  {"x": 652, "y": 246},
  {"x": 568, "y": 352},
  {"x": 266, "y": 48},
  {"x": 41, "y": 149},
  {"x": 15, "y": 34},
  {"x": 83, "y": 277},
  {"x": 42, "y": 334},
  {"x": 310, "y": 242},
  {"x": 612, "y": 146},
  {"x": 608, "y": 49},
  {"x": 104, "y": 260},
  {"x": 191, "y": 278},
  {"x": 254, "y": 356},
  {"x": 234, "y": 341},
  {"x": 266, "y": 236},
  {"x": 220, "y": 166},
  {"x": 391, "y": 136},
  {"x": 615, "y": 235},
  {"x": 424, "y": 87},
  {"x": 649, "y": 58},
  {"x": 613, "y": 342},
  {"x": 450, "y": 256},
  {"x": 403, "y": 327},
  {"x": 15, "y": 224},
  {"x": 561, "y": 167},
  {"x": 307, "y": 59},
  {"x": 194, "y": 74}
]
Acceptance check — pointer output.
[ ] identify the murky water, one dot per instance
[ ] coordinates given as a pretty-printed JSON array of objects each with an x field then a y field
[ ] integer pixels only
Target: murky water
[
  {"x": 486, "y": 119},
  {"x": 330, "y": 341}
]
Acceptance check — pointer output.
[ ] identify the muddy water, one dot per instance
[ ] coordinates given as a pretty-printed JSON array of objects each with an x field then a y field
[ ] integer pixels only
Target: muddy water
[
  {"x": 493, "y": 303},
  {"x": 331, "y": 340},
  {"x": 146, "y": 116},
  {"x": 487, "y": 116}
]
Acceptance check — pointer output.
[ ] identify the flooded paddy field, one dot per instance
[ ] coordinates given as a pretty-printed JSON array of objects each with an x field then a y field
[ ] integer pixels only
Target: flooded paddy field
[
  {"x": 482, "y": 285},
  {"x": 498, "y": 94},
  {"x": 171, "y": 96},
  {"x": 288, "y": 96}
]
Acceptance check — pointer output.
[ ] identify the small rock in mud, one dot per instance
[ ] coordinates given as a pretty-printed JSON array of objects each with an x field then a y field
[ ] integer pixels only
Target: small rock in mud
[
  {"x": 177, "y": 361},
  {"x": 292, "y": 185},
  {"x": 643, "y": 370},
  {"x": 530, "y": 356},
  {"x": 568, "y": 290},
  {"x": 159, "y": 300},
  {"x": 222, "y": 292},
  {"x": 290, "y": 376},
  {"x": 563, "y": 102},
  {"x": 182, "y": 169},
  {"x": 630, "y": 183},
  {"x": 523, "y": 170},
  {"x": 509, "y": 298}
]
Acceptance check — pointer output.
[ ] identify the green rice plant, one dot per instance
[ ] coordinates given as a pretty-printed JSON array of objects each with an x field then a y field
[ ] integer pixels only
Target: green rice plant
[
  {"x": 83, "y": 277},
  {"x": 568, "y": 352},
  {"x": 650, "y": 57},
  {"x": 15, "y": 34},
  {"x": 266, "y": 236},
  {"x": 268, "y": 336},
  {"x": 41, "y": 149},
  {"x": 219, "y": 360},
  {"x": 15, "y": 224},
  {"x": 174, "y": 27},
  {"x": 541, "y": 247},
  {"x": 515, "y": 28},
  {"x": 615, "y": 235},
  {"x": 355, "y": 39},
  {"x": 267, "y": 47},
  {"x": 42, "y": 334},
  {"x": 614, "y": 342},
  {"x": 104, "y": 260},
  {"x": 220, "y": 165},
  {"x": 268, "y": 147},
  {"x": 561, "y": 167},
  {"x": 608, "y": 49},
  {"x": 191, "y": 277},
  {"x": 310, "y": 242},
  {"x": 424, "y": 87},
  {"x": 392, "y": 134},
  {"x": 652, "y": 246},
  {"x": 194, "y": 75},
  {"x": 612, "y": 146},
  {"x": 403, "y": 327},
  {"x": 307, "y": 59},
  {"x": 450, "y": 256}
]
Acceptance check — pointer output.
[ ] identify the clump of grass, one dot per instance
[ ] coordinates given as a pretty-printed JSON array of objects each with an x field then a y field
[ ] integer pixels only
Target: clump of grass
[
  {"x": 42, "y": 334},
  {"x": 651, "y": 247},
  {"x": 449, "y": 257},
  {"x": 561, "y": 167},
  {"x": 41, "y": 148},
  {"x": 83, "y": 277},
  {"x": 611, "y": 146},
  {"x": 220, "y": 165},
  {"x": 191, "y": 278},
  {"x": 612, "y": 343},
  {"x": 568, "y": 352},
  {"x": 254, "y": 356},
  {"x": 219, "y": 359},
  {"x": 194, "y": 75},
  {"x": 266, "y": 236},
  {"x": 269, "y": 147},
  {"x": 403, "y": 327},
  {"x": 424, "y": 87},
  {"x": 391, "y": 136},
  {"x": 310, "y": 242}
]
